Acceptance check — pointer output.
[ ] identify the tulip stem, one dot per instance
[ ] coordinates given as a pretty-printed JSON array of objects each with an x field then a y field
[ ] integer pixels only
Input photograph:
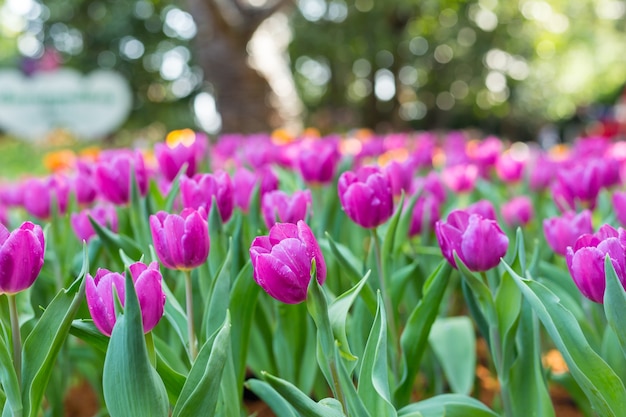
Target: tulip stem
[
  {"x": 15, "y": 336},
  {"x": 391, "y": 318},
  {"x": 193, "y": 350}
]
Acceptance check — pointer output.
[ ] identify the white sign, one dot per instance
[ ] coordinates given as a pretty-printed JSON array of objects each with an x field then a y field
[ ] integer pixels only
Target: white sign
[{"x": 89, "y": 106}]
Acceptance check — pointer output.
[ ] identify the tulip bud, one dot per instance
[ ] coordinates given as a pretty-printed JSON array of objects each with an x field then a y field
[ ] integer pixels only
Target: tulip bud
[
  {"x": 245, "y": 180},
  {"x": 482, "y": 207},
  {"x": 287, "y": 209},
  {"x": 518, "y": 211},
  {"x": 460, "y": 178},
  {"x": 425, "y": 214},
  {"x": 282, "y": 261},
  {"x": 366, "y": 196},
  {"x": 478, "y": 242},
  {"x": 104, "y": 214},
  {"x": 318, "y": 161},
  {"x": 113, "y": 172},
  {"x": 21, "y": 257},
  {"x": 561, "y": 232},
  {"x": 181, "y": 241},
  {"x": 101, "y": 299},
  {"x": 585, "y": 261}
]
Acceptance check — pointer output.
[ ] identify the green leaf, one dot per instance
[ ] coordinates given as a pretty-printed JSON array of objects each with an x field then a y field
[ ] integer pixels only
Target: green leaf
[
  {"x": 404, "y": 224},
  {"x": 38, "y": 358},
  {"x": 390, "y": 236},
  {"x": 131, "y": 386},
  {"x": 373, "y": 386},
  {"x": 86, "y": 331},
  {"x": 113, "y": 242},
  {"x": 615, "y": 303},
  {"x": 480, "y": 289},
  {"x": 175, "y": 314},
  {"x": 217, "y": 303},
  {"x": 272, "y": 398},
  {"x": 415, "y": 335},
  {"x": 448, "y": 405},
  {"x": 10, "y": 384},
  {"x": 299, "y": 400},
  {"x": 338, "y": 314},
  {"x": 453, "y": 341},
  {"x": 527, "y": 382},
  {"x": 172, "y": 380},
  {"x": 603, "y": 388},
  {"x": 201, "y": 391}
]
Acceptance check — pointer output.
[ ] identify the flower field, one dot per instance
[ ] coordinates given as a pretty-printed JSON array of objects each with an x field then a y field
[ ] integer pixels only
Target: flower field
[{"x": 413, "y": 274}]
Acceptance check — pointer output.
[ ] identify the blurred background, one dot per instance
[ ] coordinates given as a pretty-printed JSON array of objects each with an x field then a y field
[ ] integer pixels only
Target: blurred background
[{"x": 517, "y": 69}]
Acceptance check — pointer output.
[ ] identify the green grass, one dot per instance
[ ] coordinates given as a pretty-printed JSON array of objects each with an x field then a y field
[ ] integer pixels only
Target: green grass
[{"x": 20, "y": 158}]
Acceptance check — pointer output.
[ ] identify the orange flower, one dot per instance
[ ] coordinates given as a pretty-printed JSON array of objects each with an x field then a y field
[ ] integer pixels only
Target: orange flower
[{"x": 59, "y": 160}]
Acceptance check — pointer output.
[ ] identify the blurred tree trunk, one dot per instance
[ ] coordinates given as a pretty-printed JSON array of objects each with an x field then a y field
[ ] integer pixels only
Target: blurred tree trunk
[{"x": 242, "y": 94}]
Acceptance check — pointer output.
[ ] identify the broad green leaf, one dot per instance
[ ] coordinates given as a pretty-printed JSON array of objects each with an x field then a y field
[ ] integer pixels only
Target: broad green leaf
[
  {"x": 615, "y": 303},
  {"x": 175, "y": 314},
  {"x": 299, "y": 400},
  {"x": 172, "y": 380},
  {"x": 131, "y": 386},
  {"x": 289, "y": 338},
  {"x": 201, "y": 390},
  {"x": 448, "y": 405},
  {"x": 404, "y": 224},
  {"x": 527, "y": 383},
  {"x": 113, "y": 242},
  {"x": 10, "y": 384},
  {"x": 338, "y": 314},
  {"x": 230, "y": 392},
  {"x": 453, "y": 341},
  {"x": 415, "y": 335},
  {"x": 373, "y": 386},
  {"x": 480, "y": 289},
  {"x": 390, "y": 236},
  {"x": 38, "y": 358},
  {"x": 138, "y": 214},
  {"x": 604, "y": 389},
  {"x": 217, "y": 302},
  {"x": 272, "y": 398}
]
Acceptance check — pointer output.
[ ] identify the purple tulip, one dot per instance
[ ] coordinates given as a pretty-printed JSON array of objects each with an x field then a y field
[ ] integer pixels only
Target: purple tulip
[
  {"x": 317, "y": 160},
  {"x": 619, "y": 206},
  {"x": 561, "y": 232},
  {"x": 172, "y": 157},
  {"x": 518, "y": 211},
  {"x": 580, "y": 183},
  {"x": 460, "y": 178},
  {"x": 282, "y": 261},
  {"x": 541, "y": 174},
  {"x": 426, "y": 213},
  {"x": 585, "y": 261},
  {"x": 245, "y": 180},
  {"x": 483, "y": 208},
  {"x": 104, "y": 214},
  {"x": 199, "y": 191},
  {"x": 83, "y": 183},
  {"x": 38, "y": 194},
  {"x": 400, "y": 175},
  {"x": 430, "y": 184},
  {"x": 509, "y": 168},
  {"x": 366, "y": 196},
  {"x": 485, "y": 153},
  {"x": 279, "y": 206},
  {"x": 478, "y": 242},
  {"x": 21, "y": 257},
  {"x": 181, "y": 241},
  {"x": 101, "y": 299},
  {"x": 112, "y": 175}
]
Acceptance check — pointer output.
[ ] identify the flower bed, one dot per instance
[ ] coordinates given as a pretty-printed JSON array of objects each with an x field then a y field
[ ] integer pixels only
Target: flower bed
[{"x": 342, "y": 275}]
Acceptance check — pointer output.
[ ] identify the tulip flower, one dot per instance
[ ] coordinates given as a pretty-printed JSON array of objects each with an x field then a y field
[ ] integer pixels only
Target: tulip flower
[
  {"x": 509, "y": 168},
  {"x": 561, "y": 232},
  {"x": 112, "y": 175},
  {"x": 21, "y": 257},
  {"x": 400, "y": 175},
  {"x": 460, "y": 178},
  {"x": 478, "y": 242},
  {"x": 282, "y": 261},
  {"x": 83, "y": 182},
  {"x": 186, "y": 147},
  {"x": 104, "y": 214},
  {"x": 426, "y": 213},
  {"x": 619, "y": 206},
  {"x": 245, "y": 180},
  {"x": 318, "y": 161},
  {"x": 579, "y": 184},
  {"x": 482, "y": 207},
  {"x": 287, "y": 209},
  {"x": 100, "y": 289},
  {"x": 366, "y": 196},
  {"x": 430, "y": 184},
  {"x": 585, "y": 261},
  {"x": 518, "y": 211},
  {"x": 200, "y": 190},
  {"x": 38, "y": 194},
  {"x": 181, "y": 241}
]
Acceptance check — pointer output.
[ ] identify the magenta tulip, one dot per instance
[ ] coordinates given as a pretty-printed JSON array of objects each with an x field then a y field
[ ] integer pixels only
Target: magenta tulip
[
  {"x": 426, "y": 213},
  {"x": 172, "y": 157},
  {"x": 201, "y": 189},
  {"x": 39, "y": 193},
  {"x": 100, "y": 296},
  {"x": 104, "y": 214},
  {"x": 112, "y": 175},
  {"x": 279, "y": 206},
  {"x": 282, "y": 261},
  {"x": 619, "y": 206},
  {"x": 585, "y": 261},
  {"x": 245, "y": 180},
  {"x": 561, "y": 232},
  {"x": 518, "y": 211},
  {"x": 509, "y": 168},
  {"x": 181, "y": 241},
  {"x": 366, "y": 196},
  {"x": 460, "y": 178},
  {"x": 478, "y": 242},
  {"x": 317, "y": 161},
  {"x": 482, "y": 207},
  {"x": 21, "y": 257}
]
